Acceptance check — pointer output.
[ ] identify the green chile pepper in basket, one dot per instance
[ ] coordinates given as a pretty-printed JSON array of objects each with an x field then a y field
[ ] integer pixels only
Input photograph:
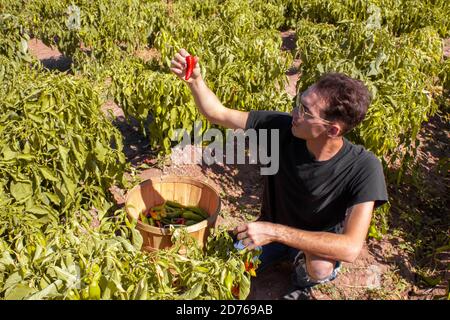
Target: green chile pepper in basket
[
  {"x": 198, "y": 211},
  {"x": 189, "y": 215}
]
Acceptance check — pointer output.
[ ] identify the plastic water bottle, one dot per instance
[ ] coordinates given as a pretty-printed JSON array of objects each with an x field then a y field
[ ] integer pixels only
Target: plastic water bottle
[{"x": 240, "y": 246}]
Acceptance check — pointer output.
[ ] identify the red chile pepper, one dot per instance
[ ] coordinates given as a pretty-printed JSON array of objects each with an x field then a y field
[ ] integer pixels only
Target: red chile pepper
[
  {"x": 180, "y": 221},
  {"x": 190, "y": 64},
  {"x": 250, "y": 268},
  {"x": 155, "y": 215},
  {"x": 235, "y": 291}
]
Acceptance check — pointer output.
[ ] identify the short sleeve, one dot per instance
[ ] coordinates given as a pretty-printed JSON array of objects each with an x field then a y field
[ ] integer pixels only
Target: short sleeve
[
  {"x": 263, "y": 119},
  {"x": 369, "y": 183}
]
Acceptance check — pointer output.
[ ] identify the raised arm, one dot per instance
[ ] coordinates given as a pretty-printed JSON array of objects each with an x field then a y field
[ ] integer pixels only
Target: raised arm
[{"x": 206, "y": 101}]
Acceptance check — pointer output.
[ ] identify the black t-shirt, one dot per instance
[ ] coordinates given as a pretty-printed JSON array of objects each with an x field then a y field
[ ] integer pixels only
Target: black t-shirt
[{"x": 314, "y": 195}]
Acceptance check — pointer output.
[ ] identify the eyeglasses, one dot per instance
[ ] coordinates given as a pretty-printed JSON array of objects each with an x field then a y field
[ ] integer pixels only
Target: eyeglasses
[{"x": 302, "y": 112}]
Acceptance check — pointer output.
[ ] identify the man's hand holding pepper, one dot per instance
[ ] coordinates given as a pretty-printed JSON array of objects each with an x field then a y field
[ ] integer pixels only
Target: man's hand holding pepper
[{"x": 178, "y": 66}]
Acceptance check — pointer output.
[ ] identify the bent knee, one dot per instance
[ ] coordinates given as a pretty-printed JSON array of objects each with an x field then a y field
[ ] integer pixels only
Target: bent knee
[{"x": 319, "y": 269}]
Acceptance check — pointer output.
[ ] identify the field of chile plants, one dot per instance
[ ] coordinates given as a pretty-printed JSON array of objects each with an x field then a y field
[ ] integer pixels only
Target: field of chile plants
[{"x": 62, "y": 234}]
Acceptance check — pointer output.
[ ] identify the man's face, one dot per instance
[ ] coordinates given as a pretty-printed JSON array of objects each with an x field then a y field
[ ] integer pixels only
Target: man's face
[{"x": 307, "y": 120}]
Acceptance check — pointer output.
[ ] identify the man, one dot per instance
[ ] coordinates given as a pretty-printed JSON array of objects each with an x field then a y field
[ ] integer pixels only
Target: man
[{"x": 317, "y": 208}]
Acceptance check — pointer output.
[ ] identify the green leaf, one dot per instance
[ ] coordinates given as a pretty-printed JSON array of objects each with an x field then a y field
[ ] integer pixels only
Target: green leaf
[
  {"x": 140, "y": 293},
  {"x": 195, "y": 291},
  {"x": 12, "y": 280},
  {"x": 126, "y": 244},
  {"x": 64, "y": 152},
  {"x": 39, "y": 210},
  {"x": 79, "y": 154},
  {"x": 69, "y": 184},
  {"x": 38, "y": 252},
  {"x": 100, "y": 151},
  {"x": 109, "y": 289},
  {"x": 244, "y": 287},
  {"x": 23, "y": 46},
  {"x": 48, "y": 174},
  {"x": 174, "y": 114},
  {"x": 8, "y": 154},
  {"x": 6, "y": 261},
  {"x": 48, "y": 292},
  {"x": 442, "y": 249},
  {"x": 36, "y": 118},
  {"x": 136, "y": 239},
  {"x": 116, "y": 280},
  {"x": 65, "y": 275},
  {"x": 431, "y": 281},
  {"x": 19, "y": 292},
  {"x": 53, "y": 197},
  {"x": 21, "y": 190}
]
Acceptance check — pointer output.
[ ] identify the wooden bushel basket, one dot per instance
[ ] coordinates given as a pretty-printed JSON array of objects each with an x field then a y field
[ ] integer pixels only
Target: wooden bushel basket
[{"x": 185, "y": 190}]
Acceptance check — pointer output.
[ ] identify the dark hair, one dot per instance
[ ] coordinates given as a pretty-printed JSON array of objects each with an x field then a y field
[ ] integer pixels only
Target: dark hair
[{"x": 347, "y": 99}]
